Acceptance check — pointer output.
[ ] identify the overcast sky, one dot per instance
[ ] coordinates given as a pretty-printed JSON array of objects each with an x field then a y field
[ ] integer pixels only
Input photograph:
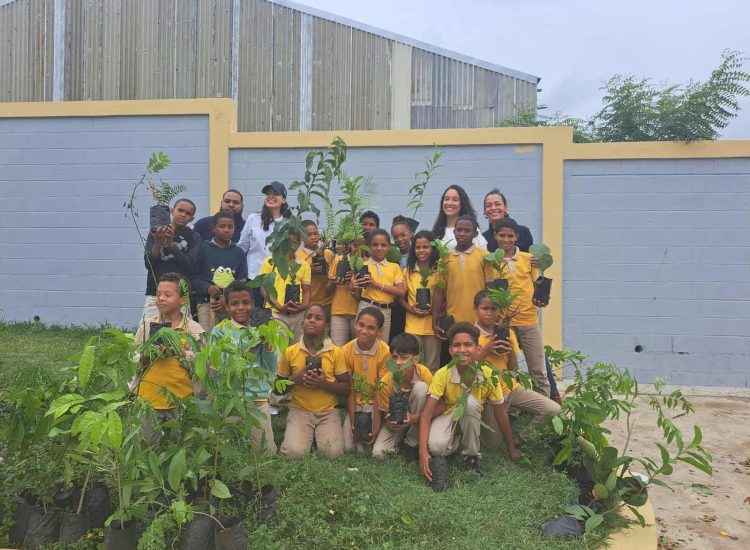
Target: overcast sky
[{"x": 574, "y": 45}]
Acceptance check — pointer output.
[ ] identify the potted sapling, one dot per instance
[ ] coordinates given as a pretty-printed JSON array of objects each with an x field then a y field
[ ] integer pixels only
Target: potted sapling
[
  {"x": 504, "y": 299},
  {"x": 497, "y": 260},
  {"x": 363, "y": 420},
  {"x": 163, "y": 193},
  {"x": 292, "y": 291},
  {"x": 542, "y": 284},
  {"x": 398, "y": 401},
  {"x": 315, "y": 362},
  {"x": 424, "y": 298},
  {"x": 445, "y": 322}
]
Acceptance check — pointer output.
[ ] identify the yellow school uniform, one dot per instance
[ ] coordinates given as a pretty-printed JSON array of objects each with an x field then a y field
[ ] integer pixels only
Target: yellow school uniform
[
  {"x": 418, "y": 326},
  {"x": 318, "y": 292},
  {"x": 304, "y": 276},
  {"x": 293, "y": 362},
  {"x": 168, "y": 373},
  {"x": 386, "y": 273},
  {"x": 521, "y": 277},
  {"x": 421, "y": 374},
  {"x": 342, "y": 303},
  {"x": 368, "y": 363},
  {"x": 446, "y": 383},
  {"x": 499, "y": 361},
  {"x": 467, "y": 273}
]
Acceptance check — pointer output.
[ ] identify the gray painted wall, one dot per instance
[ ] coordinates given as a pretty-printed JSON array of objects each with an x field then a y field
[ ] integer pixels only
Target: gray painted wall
[
  {"x": 477, "y": 168},
  {"x": 67, "y": 252},
  {"x": 657, "y": 255}
]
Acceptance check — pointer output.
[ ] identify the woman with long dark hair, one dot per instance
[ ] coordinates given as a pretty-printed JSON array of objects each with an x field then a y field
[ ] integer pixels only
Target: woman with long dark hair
[
  {"x": 454, "y": 203},
  {"x": 259, "y": 226},
  {"x": 495, "y": 209}
]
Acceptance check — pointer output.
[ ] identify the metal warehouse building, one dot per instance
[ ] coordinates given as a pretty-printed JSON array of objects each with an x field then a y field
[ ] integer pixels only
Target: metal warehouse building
[{"x": 288, "y": 67}]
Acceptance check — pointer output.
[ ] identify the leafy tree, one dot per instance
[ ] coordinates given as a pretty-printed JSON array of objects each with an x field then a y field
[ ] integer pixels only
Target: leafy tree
[{"x": 635, "y": 109}]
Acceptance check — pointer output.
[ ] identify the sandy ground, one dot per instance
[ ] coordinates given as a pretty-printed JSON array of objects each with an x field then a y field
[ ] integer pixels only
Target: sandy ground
[{"x": 690, "y": 520}]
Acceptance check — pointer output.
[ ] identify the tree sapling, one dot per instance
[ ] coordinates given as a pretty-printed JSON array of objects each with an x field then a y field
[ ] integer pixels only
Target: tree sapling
[{"x": 542, "y": 285}]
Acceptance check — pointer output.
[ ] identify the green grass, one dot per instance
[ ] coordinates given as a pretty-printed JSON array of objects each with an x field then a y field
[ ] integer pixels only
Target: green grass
[{"x": 354, "y": 502}]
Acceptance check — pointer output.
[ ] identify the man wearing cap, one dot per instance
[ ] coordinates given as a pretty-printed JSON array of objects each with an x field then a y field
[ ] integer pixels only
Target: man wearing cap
[
  {"x": 260, "y": 225},
  {"x": 231, "y": 202}
]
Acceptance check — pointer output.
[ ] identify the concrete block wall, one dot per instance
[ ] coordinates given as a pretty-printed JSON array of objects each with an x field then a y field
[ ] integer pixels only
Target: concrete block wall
[
  {"x": 657, "y": 267},
  {"x": 68, "y": 254},
  {"x": 517, "y": 171}
]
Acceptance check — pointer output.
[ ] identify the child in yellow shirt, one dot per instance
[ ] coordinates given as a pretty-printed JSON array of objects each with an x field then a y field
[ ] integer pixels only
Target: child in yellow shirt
[
  {"x": 343, "y": 304},
  {"x": 318, "y": 261},
  {"x": 384, "y": 283},
  {"x": 365, "y": 357}
]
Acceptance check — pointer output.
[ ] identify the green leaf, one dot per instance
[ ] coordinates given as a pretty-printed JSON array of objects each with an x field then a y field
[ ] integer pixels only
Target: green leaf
[
  {"x": 637, "y": 514},
  {"x": 557, "y": 425},
  {"x": 114, "y": 429},
  {"x": 698, "y": 437},
  {"x": 611, "y": 481},
  {"x": 702, "y": 466},
  {"x": 85, "y": 366},
  {"x": 593, "y": 522},
  {"x": 600, "y": 491},
  {"x": 219, "y": 490},
  {"x": 177, "y": 470},
  {"x": 202, "y": 455}
]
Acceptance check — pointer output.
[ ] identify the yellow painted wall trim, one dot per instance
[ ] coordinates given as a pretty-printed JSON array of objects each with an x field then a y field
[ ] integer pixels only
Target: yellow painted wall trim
[
  {"x": 117, "y": 108},
  {"x": 401, "y": 138},
  {"x": 658, "y": 150}
]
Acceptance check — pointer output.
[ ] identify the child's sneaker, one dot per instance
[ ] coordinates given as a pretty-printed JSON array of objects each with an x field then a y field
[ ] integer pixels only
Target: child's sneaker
[{"x": 473, "y": 463}]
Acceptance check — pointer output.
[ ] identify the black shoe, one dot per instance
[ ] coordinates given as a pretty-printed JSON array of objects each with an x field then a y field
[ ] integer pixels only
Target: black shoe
[
  {"x": 410, "y": 454},
  {"x": 473, "y": 463}
]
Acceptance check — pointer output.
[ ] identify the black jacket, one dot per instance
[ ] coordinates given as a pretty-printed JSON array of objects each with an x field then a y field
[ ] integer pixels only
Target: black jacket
[{"x": 182, "y": 259}]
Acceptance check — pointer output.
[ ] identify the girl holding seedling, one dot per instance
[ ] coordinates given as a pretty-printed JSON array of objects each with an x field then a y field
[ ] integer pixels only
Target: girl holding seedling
[
  {"x": 421, "y": 278},
  {"x": 343, "y": 304},
  {"x": 525, "y": 323},
  {"x": 453, "y": 204},
  {"x": 292, "y": 292},
  {"x": 382, "y": 284},
  {"x": 319, "y": 375}
]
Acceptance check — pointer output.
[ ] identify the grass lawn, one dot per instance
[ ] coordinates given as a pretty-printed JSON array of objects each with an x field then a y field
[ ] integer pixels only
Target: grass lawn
[{"x": 354, "y": 502}]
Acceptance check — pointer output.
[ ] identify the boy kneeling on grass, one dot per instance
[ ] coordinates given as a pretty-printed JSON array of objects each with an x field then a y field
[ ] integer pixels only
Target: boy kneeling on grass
[
  {"x": 439, "y": 436},
  {"x": 416, "y": 382},
  {"x": 239, "y": 306},
  {"x": 165, "y": 375},
  {"x": 319, "y": 373},
  {"x": 365, "y": 357},
  {"x": 501, "y": 355}
]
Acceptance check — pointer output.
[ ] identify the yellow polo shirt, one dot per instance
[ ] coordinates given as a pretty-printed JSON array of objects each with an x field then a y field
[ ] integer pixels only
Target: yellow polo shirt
[
  {"x": 386, "y": 273},
  {"x": 342, "y": 302},
  {"x": 499, "y": 361},
  {"x": 304, "y": 276},
  {"x": 293, "y": 362},
  {"x": 446, "y": 383},
  {"x": 368, "y": 363},
  {"x": 167, "y": 373},
  {"x": 418, "y": 326},
  {"x": 521, "y": 277},
  {"x": 318, "y": 292},
  {"x": 421, "y": 374},
  {"x": 467, "y": 273}
]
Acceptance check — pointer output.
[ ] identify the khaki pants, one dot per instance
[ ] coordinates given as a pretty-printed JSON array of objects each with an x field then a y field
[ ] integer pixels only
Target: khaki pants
[
  {"x": 526, "y": 400},
  {"x": 530, "y": 341},
  {"x": 430, "y": 346},
  {"x": 209, "y": 319},
  {"x": 261, "y": 437},
  {"x": 152, "y": 432},
  {"x": 349, "y": 445},
  {"x": 292, "y": 321},
  {"x": 445, "y": 432},
  {"x": 342, "y": 329},
  {"x": 386, "y": 332},
  {"x": 388, "y": 440},
  {"x": 303, "y": 427}
]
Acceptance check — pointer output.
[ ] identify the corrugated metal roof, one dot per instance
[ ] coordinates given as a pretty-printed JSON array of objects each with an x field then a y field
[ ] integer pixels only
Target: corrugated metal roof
[{"x": 409, "y": 41}]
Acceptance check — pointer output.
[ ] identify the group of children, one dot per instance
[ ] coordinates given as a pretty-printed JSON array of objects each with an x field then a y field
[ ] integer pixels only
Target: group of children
[{"x": 341, "y": 343}]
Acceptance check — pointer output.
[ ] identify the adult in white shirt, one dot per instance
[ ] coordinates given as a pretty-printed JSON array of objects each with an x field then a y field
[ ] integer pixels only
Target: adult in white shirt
[
  {"x": 259, "y": 226},
  {"x": 454, "y": 203}
]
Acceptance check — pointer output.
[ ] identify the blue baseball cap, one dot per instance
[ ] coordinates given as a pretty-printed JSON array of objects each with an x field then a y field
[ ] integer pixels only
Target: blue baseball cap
[{"x": 275, "y": 187}]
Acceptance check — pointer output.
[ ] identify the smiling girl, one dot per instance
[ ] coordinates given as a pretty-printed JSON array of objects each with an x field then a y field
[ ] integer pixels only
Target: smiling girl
[{"x": 453, "y": 204}]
